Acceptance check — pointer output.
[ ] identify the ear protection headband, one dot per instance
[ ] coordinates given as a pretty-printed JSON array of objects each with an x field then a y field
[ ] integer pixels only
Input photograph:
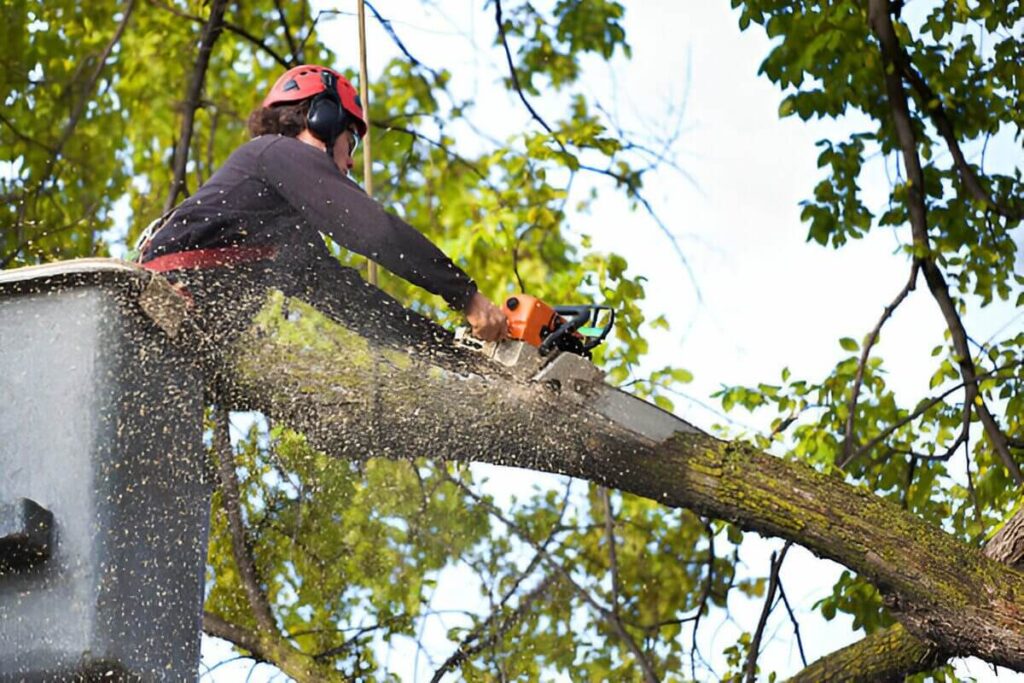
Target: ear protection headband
[{"x": 326, "y": 118}]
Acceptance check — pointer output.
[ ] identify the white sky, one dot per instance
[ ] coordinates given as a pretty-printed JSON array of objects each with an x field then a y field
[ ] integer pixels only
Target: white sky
[{"x": 770, "y": 299}]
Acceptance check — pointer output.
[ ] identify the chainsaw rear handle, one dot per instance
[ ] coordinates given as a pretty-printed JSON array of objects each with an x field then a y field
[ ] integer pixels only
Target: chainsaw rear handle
[{"x": 575, "y": 318}]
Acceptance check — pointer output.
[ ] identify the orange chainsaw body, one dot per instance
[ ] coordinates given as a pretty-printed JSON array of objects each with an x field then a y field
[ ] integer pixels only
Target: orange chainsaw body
[{"x": 530, "y": 319}]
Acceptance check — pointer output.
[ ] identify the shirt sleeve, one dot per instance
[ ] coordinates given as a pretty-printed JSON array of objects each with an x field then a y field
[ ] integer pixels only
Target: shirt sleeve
[{"x": 309, "y": 181}]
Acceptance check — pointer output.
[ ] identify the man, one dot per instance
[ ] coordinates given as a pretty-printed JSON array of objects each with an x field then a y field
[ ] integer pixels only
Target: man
[{"x": 260, "y": 216}]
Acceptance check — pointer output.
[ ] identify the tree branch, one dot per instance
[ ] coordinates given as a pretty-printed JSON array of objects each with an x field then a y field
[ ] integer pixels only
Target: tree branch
[
  {"x": 921, "y": 410},
  {"x": 490, "y": 416},
  {"x": 766, "y": 609},
  {"x": 930, "y": 103},
  {"x": 386, "y": 24},
  {"x": 211, "y": 31},
  {"x": 239, "y": 538},
  {"x": 234, "y": 28},
  {"x": 473, "y": 644},
  {"x": 292, "y": 47},
  {"x": 631, "y": 184},
  {"x": 865, "y": 352},
  {"x": 892, "y": 654},
  {"x": 608, "y": 614},
  {"x": 881, "y": 24},
  {"x": 217, "y": 627}
]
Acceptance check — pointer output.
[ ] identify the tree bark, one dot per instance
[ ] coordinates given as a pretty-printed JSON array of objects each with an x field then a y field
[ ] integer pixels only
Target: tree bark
[
  {"x": 403, "y": 396},
  {"x": 893, "y": 654}
]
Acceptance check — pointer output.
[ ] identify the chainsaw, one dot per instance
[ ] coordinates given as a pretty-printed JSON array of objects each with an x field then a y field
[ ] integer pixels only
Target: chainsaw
[
  {"x": 576, "y": 329},
  {"x": 550, "y": 347}
]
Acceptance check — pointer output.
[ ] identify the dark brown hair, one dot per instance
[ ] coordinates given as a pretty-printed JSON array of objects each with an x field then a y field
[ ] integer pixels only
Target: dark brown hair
[{"x": 282, "y": 119}]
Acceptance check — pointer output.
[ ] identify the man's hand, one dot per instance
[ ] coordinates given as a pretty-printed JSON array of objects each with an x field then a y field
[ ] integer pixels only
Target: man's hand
[{"x": 487, "y": 321}]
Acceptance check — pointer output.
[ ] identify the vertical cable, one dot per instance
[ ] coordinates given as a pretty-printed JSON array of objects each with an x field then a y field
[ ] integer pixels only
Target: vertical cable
[{"x": 364, "y": 95}]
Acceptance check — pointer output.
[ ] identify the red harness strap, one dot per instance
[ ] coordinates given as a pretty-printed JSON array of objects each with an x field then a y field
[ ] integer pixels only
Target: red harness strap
[{"x": 209, "y": 258}]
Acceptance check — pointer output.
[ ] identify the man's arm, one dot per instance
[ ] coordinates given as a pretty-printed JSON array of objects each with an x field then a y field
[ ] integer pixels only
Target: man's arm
[{"x": 310, "y": 182}]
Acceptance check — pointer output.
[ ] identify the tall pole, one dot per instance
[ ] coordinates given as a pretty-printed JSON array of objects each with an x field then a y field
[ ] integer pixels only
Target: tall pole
[{"x": 364, "y": 95}]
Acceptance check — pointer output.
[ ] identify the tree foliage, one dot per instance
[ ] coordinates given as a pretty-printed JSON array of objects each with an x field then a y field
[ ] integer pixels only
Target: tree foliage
[{"x": 345, "y": 557}]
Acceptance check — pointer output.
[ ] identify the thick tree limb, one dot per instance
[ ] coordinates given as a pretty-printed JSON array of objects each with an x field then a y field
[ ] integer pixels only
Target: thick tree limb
[
  {"x": 881, "y": 24},
  {"x": 892, "y": 654},
  {"x": 211, "y": 31},
  {"x": 409, "y": 394}
]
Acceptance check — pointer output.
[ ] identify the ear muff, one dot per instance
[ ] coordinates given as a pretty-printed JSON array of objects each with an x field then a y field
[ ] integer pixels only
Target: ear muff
[{"x": 326, "y": 118}]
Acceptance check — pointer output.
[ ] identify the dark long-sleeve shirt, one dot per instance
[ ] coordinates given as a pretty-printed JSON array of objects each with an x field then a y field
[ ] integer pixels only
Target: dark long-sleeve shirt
[{"x": 277, "y": 190}]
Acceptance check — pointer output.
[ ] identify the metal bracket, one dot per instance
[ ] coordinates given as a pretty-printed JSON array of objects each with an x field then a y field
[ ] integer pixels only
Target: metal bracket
[
  {"x": 164, "y": 305},
  {"x": 26, "y": 535}
]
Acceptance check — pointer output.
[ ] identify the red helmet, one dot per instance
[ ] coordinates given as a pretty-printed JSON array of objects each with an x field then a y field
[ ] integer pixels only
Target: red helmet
[{"x": 303, "y": 82}]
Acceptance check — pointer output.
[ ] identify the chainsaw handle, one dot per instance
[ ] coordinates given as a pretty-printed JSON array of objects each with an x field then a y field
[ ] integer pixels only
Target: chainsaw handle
[
  {"x": 595, "y": 313},
  {"x": 580, "y": 315}
]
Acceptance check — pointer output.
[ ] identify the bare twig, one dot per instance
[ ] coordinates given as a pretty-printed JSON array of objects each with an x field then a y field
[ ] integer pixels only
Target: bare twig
[
  {"x": 881, "y": 24},
  {"x": 211, "y": 31},
  {"x": 705, "y": 595},
  {"x": 631, "y": 184},
  {"x": 872, "y": 339},
  {"x": 773, "y": 584},
  {"x": 474, "y": 644},
  {"x": 609, "y": 535}
]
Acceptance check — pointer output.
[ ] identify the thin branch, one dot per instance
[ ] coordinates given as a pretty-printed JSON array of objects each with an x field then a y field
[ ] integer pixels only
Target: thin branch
[
  {"x": 921, "y": 410},
  {"x": 773, "y": 584},
  {"x": 566, "y": 575},
  {"x": 233, "y": 28},
  {"x": 94, "y": 78},
  {"x": 49, "y": 172},
  {"x": 866, "y": 351},
  {"x": 705, "y": 595},
  {"x": 292, "y": 47},
  {"x": 609, "y": 535},
  {"x": 350, "y": 641},
  {"x": 978, "y": 516},
  {"x": 239, "y": 542},
  {"x": 931, "y": 104},
  {"x": 37, "y": 237},
  {"x": 881, "y": 25},
  {"x": 474, "y": 645},
  {"x": 386, "y": 24},
  {"x": 796, "y": 624},
  {"x": 631, "y": 184},
  {"x": 25, "y": 138},
  {"x": 911, "y": 471},
  {"x": 211, "y": 31},
  {"x": 467, "y": 648}
]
